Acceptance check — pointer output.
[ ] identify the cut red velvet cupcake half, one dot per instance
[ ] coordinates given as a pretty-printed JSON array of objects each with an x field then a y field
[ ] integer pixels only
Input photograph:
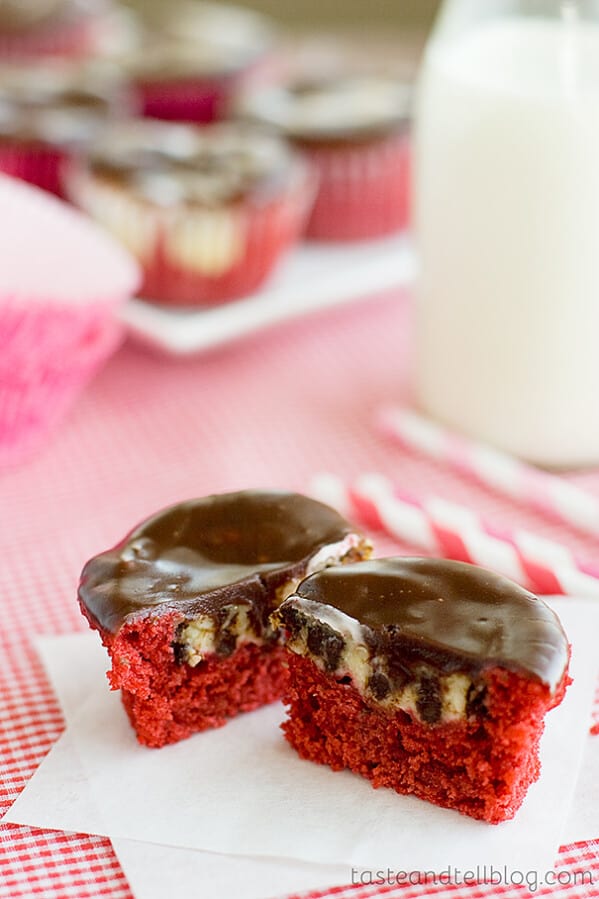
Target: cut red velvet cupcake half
[
  {"x": 426, "y": 676},
  {"x": 183, "y": 604}
]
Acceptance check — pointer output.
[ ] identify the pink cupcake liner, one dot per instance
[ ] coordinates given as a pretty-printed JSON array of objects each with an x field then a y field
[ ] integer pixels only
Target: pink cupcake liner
[
  {"x": 363, "y": 188},
  {"x": 35, "y": 398},
  {"x": 62, "y": 282},
  {"x": 37, "y": 163},
  {"x": 44, "y": 335}
]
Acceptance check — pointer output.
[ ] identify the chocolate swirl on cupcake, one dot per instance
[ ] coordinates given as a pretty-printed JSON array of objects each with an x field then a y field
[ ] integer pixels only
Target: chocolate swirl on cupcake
[{"x": 208, "y": 211}]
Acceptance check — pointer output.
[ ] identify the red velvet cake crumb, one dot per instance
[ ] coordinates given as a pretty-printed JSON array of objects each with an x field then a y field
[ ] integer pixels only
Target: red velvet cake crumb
[
  {"x": 427, "y": 676},
  {"x": 481, "y": 767},
  {"x": 183, "y": 604},
  {"x": 167, "y": 701}
]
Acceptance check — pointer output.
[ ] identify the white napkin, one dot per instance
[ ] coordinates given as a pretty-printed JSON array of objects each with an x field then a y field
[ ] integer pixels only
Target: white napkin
[
  {"x": 264, "y": 801},
  {"x": 60, "y": 798}
]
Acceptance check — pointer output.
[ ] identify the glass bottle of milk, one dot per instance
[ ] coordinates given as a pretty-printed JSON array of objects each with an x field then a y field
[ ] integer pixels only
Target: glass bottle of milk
[{"x": 507, "y": 226}]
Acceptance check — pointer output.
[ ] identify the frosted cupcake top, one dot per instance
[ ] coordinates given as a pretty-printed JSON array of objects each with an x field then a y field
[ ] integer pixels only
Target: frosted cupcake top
[
  {"x": 57, "y": 105},
  {"x": 166, "y": 165},
  {"x": 17, "y": 16},
  {"x": 453, "y": 616},
  {"x": 199, "y": 40},
  {"x": 331, "y": 108},
  {"x": 201, "y": 556}
]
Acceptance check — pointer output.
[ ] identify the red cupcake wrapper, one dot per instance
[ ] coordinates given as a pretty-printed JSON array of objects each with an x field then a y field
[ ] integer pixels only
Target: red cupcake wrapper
[
  {"x": 49, "y": 355},
  {"x": 36, "y": 163},
  {"x": 363, "y": 189},
  {"x": 212, "y": 268},
  {"x": 72, "y": 40},
  {"x": 201, "y": 100},
  {"x": 191, "y": 100},
  {"x": 269, "y": 232}
]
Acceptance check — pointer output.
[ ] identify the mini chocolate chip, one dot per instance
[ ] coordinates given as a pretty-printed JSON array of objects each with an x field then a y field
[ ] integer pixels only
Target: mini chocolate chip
[
  {"x": 226, "y": 643},
  {"x": 292, "y": 620},
  {"x": 324, "y": 642},
  {"x": 475, "y": 701},
  {"x": 399, "y": 673},
  {"x": 180, "y": 651},
  {"x": 428, "y": 703},
  {"x": 379, "y": 685},
  {"x": 221, "y": 616},
  {"x": 346, "y": 679}
]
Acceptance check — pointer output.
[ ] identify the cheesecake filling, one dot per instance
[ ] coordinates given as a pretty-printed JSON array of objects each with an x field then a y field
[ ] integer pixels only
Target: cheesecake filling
[
  {"x": 420, "y": 635},
  {"x": 135, "y": 226},
  {"x": 229, "y": 626},
  {"x": 207, "y": 241},
  {"x": 337, "y": 644}
]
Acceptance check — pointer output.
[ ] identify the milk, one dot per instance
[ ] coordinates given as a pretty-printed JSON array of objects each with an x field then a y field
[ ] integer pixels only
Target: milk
[{"x": 507, "y": 226}]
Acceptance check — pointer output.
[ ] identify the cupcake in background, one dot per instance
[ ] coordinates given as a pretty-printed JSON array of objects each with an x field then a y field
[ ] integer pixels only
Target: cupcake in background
[
  {"x": 195, "y": 59},
  {"x": 47, "y": 113},
  {"x": 62, "y": 281},
  {"x": 353, "y": 129},
  {"x": 207, "y": 211},
  {"x": 37, "y": 30}
]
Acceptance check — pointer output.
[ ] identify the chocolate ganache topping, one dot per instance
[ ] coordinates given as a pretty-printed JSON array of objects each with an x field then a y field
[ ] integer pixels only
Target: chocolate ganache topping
[
  {"x": 201, "y": 555},
  {"x": 198, "y": 40},
  {"x": 450, "y": 615},
  {"x": 167, "y": 164},
  {"x": 20, "y": 15},
  {"x": 332, "y": 108},
  {"x": 67, "y": 106}
]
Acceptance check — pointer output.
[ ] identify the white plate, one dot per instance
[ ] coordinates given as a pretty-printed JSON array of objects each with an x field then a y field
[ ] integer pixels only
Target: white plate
[{"x": 316, "y": 276}]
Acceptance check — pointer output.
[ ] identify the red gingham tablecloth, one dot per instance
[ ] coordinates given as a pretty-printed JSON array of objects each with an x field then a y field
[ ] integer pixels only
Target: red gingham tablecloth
[{"x": 152, "y": 431}]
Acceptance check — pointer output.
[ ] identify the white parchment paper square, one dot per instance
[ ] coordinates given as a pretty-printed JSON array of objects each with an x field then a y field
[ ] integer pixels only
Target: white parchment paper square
[{"x": 242, "y": 790}]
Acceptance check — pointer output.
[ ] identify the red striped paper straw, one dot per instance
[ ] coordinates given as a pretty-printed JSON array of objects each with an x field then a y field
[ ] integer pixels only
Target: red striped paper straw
[
  {"x": 455, "y": 532},
  {"x": 547, "y": 493}
]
